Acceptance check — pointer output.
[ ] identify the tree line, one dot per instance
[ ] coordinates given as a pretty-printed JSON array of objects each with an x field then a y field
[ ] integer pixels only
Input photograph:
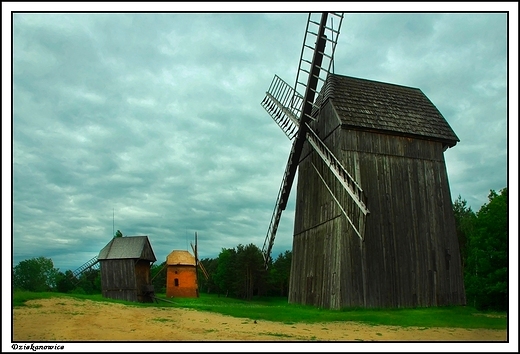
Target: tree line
[
  {"x": 483, "y": 240},
  {"x": 39, "y": 275},
  {"x": 239, "y": 272}
]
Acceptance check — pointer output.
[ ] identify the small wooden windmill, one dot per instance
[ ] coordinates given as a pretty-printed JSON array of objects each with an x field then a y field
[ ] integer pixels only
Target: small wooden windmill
[{"x": 392, "y": 242}]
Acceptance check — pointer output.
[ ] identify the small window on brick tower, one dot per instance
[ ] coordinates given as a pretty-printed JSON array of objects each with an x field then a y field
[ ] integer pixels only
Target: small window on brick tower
[{"x": 176, "y": 282}]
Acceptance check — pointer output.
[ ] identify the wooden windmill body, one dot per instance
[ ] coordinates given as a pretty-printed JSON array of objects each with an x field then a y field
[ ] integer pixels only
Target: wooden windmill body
[
  {"x": 125, "y": 264},
  {"x": 374, "y": 225}
]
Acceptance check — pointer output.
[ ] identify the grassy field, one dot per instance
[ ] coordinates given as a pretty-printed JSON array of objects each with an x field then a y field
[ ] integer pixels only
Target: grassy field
[{"x": 278, "y": 310}]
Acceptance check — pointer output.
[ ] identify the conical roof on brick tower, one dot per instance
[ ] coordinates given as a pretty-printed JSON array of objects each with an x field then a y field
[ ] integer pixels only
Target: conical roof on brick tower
[{"x": 180, "y": 257}]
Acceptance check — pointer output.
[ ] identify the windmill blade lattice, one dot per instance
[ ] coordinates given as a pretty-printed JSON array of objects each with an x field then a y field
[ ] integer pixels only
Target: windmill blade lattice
[
  {"x": 284, "y": 105},
  {"x": 346, "y": 180},
  {"x": 338, "y": 170},
  {"x": 305, "y": 68},
  {"x": 314, "y": 66}
]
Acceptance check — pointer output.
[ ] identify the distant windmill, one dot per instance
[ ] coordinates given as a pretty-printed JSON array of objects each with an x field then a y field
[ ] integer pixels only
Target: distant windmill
[
  {"x": 182, "y": 272},
  {"x": 392, "y": 242}
]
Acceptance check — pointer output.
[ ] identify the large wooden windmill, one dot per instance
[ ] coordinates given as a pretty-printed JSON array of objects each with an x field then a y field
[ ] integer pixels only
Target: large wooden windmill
[{"x": 374, "y": 225}]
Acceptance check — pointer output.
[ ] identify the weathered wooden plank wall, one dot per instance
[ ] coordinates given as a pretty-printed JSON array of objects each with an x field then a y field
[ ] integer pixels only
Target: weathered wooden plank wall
[
  {"x": 410, "y": 254},
  {"x": 118, "y": 279},
  {"x": 142, "y": 279}
]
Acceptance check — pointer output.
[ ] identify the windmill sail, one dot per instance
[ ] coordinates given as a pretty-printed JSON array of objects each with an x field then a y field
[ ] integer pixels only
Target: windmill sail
[
  {"x": 286, "y": 104},
  {"x": 346, "y": 180},
  {"x": 341, "y": 174},
  {"x": 315, "y": 30}
]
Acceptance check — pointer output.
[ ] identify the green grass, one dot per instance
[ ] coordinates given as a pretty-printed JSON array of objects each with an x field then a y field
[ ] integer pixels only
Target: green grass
[
  {"x": 20, "y": 297},
  {"x": 278, "y": 310}
]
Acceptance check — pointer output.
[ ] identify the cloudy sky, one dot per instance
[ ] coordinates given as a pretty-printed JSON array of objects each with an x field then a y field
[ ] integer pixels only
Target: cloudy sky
[{"x": 151, "y": 123}]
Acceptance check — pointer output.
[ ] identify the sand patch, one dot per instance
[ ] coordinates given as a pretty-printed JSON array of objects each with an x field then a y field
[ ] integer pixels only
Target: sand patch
[{"x": 62, "y": 319}]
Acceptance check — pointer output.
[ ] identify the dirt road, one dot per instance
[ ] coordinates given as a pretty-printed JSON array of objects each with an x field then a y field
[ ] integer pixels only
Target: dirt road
[{"x": 61, "y": 319}]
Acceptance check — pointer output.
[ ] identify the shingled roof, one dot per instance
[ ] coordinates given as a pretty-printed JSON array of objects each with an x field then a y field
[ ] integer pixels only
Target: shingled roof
[
  {"x": 373, "y": 105},
  {"x": 136, "y": 247}
]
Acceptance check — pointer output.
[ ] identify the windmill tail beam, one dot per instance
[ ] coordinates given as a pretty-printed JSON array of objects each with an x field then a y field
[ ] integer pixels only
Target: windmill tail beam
[
  {"x": 87, "y": 265},
  {"x": 206, "y": 275},
  {"x": 159, "y": 272}
]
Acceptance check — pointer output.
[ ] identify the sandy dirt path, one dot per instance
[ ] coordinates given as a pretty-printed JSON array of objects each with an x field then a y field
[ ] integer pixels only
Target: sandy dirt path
[{"x": 62, "y": 319}]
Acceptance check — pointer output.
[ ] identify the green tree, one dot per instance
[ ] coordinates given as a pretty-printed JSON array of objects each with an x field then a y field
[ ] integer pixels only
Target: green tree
[
  {"x": 208, "y": 285},
  {"x": 226, "y": 271},
  {"x": 89, "y": 281},
  {"x": 65, "y": 282},
  {"x": 158, "y": 273},
  {"x": 35, "y": 274},
  {"x": 249, "y": 271},
  {"x": 279, "y": 273},
  {"x": 487, "y": 263},
  {"x": 465, "y": 222},
  {"x": 239, "y": 272},
  {"x": 118, "y": 234}
]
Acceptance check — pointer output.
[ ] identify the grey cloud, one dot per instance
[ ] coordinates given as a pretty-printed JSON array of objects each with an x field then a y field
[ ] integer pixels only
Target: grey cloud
[{"x": 156, "y": 118}]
